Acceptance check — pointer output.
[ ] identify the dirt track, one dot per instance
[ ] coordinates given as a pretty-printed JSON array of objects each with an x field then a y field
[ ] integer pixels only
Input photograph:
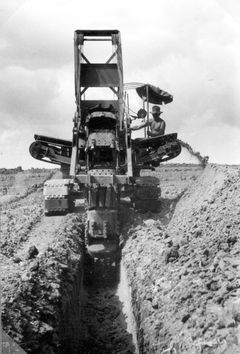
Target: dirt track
[{"x": 182, "y": 265}]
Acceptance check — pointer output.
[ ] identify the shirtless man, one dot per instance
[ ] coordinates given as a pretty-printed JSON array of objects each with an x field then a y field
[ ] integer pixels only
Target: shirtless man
[{"x": 157, "y": 125}]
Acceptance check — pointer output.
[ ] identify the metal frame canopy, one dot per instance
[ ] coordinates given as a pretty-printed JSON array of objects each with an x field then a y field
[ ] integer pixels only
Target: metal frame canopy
[
  {"x": 149, "y": 94},
  {"x": 154, "y": 94}
]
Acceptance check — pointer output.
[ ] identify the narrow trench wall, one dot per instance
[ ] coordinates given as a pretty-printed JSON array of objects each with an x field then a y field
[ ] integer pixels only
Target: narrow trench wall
[
  {"x": 183, "y": 268},
  {"x": 124, "y": 293},
  {"x": 41, "y": 311},
  {"x": 71, "y": 328}
]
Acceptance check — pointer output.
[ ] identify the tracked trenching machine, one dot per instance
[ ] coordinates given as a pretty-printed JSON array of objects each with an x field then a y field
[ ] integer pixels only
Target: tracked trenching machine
[{"x": 102, "y": 163}]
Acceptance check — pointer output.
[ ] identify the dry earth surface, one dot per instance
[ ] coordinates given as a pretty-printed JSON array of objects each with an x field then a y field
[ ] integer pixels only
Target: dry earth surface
[
  {"x": 39, "y": 258},
  {"x": 182, "y": 265}
]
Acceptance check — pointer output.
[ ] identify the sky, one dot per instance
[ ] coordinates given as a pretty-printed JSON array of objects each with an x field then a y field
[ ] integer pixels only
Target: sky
[{"x": 190, "y": 49}]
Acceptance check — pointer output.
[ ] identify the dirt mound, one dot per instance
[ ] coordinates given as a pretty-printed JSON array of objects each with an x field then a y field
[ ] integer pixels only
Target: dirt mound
[
  {"x": 41, "y": 268},
  {"x": 184, "y": 268},
  {"x": 40, "y": 294}
]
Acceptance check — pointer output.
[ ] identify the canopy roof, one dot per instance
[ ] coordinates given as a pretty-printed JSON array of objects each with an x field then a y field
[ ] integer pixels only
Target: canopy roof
[{"x": 155, "y": 94}]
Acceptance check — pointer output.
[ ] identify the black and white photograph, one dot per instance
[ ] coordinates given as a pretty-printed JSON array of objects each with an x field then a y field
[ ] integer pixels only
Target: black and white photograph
[{"x": 120, "y": 177}]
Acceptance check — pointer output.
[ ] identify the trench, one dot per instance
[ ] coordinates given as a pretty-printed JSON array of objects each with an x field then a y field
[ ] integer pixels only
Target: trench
[
  {"x": 96, "y": 310},
  {"x": 108, "y": 323},
  {"x": 105, "y": 322}
]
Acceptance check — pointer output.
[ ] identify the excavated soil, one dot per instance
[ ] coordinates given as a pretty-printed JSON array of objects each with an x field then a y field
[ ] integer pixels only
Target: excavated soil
[
  {"x": 182, "y": 268},
  {"x": 41, "y": 268},
  {"x": 183, "y": 264}
]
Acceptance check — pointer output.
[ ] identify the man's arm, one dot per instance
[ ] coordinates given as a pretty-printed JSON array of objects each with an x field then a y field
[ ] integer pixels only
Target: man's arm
[
  {"x": 163, "y": 127},
  {"x": 139, "y": 126}
]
